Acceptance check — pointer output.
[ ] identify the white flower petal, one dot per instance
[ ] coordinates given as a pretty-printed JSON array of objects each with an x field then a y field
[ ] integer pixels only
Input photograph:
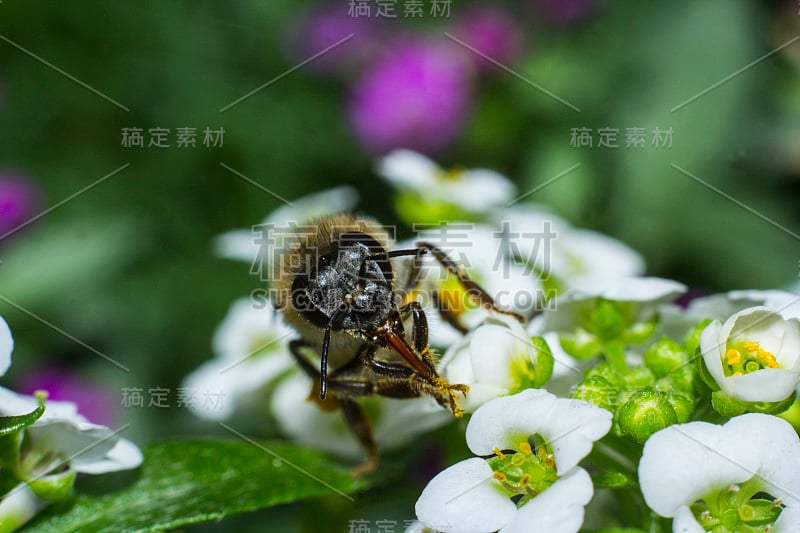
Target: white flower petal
[
  {"x": 559, "y": 509},
  {"x": 306, "y": 423},
  {"x": 246, "y": 331},
  {"x": 776, "y": 448},
  {"x": 6, "y": 346},
  {"x": 766, "y": 385},
  {"x": 125, "y": 455},
  {"x": 712, "y": 347},
  {"x": 592, "y": 254},
  {"x": 19, "y": 506},
  {"x": 228, "y": 385},
  {"x": 788, "y": 521},
  {"x": 82, "y": 443},
  {"x": 238, "y": 244},
  {"x": 570, "y": 426},
  {"x": 244, "y": 245},
  {"x": 789, "y": 351},
  {"x": 492, "y": 349},
  {"x": 465, "y": 499},
  {"x": 682, "y": 463},
  {"x": 685, "y": 522},
  {"x": 407, "y": 169},
  {"x": 13, "y": 404},
  {"x": 625, "y": 289},
  {"x": 481, "y": 188}
]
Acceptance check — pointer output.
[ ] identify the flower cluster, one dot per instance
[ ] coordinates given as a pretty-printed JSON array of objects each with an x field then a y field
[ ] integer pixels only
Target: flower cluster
[
  {"x": 45, "y": 445},
  {"x": 608, "y": 387}
]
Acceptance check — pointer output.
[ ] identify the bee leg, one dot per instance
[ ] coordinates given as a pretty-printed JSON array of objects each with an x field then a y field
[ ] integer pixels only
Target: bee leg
[
  {"x": 447, "y": 314},
  {"x": 399, "y": 381},
  {"x": 359, "y": 425},
  {"x": 474, "y": 291},
  {"x": 419, "y": 333},
  {"x": 342, "y": 389}
]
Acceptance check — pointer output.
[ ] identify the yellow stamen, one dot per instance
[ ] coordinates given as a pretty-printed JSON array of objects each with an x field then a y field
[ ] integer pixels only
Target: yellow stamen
[
  {"x": 452, "y": 174},
  {"x": 542, "y": 453},
  {"x": 523, "y": 482},
  {"x": 524, "y": 447},
  {"x": 733, "y": 357},
  {"x": 767, "y": 358},
  {"x": 499, "y": 476},
  {"x": 498, "y": 453},
  {"x": 737, "y": 373},
  {"x": 751, "y": 346}
]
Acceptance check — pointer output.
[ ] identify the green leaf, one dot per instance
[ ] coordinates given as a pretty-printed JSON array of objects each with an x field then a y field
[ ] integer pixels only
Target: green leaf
[
  {"x": 12, "y": 424},
  {"x": 185, "y": 482}
]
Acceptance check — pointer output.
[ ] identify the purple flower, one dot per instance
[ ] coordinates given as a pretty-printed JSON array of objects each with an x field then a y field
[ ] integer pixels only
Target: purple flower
[
  {"x": 415, "y": 96},
  {"x": 19, "y": 201},
  {"x": 62, "y": 384},
  {"x": 494, "y": 32},
  {"x": 325, "y": 25},
  {"x": 566, "y": 11}
]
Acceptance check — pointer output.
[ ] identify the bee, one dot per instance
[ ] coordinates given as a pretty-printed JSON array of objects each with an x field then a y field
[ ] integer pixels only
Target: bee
[{"x": 350, "y": 297}]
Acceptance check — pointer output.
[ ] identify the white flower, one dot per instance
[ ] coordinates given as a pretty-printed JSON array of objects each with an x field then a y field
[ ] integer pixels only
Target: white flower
[
  {"x": 394, "y": 422},
  {"x": 549, "y": 436},
  {"x": 695, "y": 463},
  {"x": 63, "y": 434},
  {"x": 598, "y": 312},
  {"x": 58, "y": 445},
  {"x": 246, "y": 245},
  {"x": 755, "y": 355},
  {"x": 476, "y": 190},
  {"x": 251, "y": 349},
  {"x": 561, "y": 253},
  {"x": 495, "y": 359},
  {"x": 6, "y": 347},
  {"x": 644, "y": 293},
  {"x": 677, "y": 320},
  {"x": 479, "y": 249}
]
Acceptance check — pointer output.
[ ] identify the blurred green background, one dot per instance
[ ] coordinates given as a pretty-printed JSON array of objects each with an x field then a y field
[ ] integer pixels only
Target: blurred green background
[{"x": 127, "y": 268}]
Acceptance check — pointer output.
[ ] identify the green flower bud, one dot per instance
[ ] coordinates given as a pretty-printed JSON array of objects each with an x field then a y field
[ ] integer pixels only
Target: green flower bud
[
  {"x": 598, "y": 391},
  {"x": 682, "y": 405},
  {"x": 605, "y": 371},
  {"x": 792, "y": 415},
  {"x": 702, "y": 370},
  {"x": 55, "y": 487},
  {"x": 640, "y": 332},
  {"x": 726, "y": 406},
  {"x": 542, "y": 361},
  {"x": 692, "y": 340},
  {"x": 664, "y": 356},
  {"x": 680, "y": 380},
  {"x": 731, "y": 407},
  {"x": 608, "y": 320},
  {"x": 581, "y": 344},
  {"x": 646, "y": 412},
  {"x": 638, "y": 377}
]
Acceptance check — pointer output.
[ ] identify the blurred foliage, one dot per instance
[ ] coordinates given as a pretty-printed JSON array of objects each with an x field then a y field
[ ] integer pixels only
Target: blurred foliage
[{"x": 126, "y": 266}]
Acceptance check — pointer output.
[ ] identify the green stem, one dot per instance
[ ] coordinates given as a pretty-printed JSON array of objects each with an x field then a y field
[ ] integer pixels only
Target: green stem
[{"x": 615, "y": 353}]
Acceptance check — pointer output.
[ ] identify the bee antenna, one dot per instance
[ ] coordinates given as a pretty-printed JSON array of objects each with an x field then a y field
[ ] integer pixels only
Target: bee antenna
[
  {"x": 397, "y": 253},
  {"x": 323, "y": 366}
]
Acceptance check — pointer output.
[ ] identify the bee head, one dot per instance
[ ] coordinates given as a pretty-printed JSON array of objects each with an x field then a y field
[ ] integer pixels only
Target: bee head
[{"x": 348, "y": 285}]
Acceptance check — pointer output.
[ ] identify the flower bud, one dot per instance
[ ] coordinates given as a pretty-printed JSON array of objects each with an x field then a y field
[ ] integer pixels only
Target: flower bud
[
  {"x": 646, "y": 412},
  {"x": 664, "y": 356}
]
